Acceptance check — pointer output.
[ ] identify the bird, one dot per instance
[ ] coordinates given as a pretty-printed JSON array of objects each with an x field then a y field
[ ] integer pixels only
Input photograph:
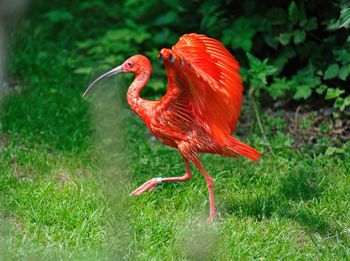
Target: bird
[{"x": 200, "y": 109}]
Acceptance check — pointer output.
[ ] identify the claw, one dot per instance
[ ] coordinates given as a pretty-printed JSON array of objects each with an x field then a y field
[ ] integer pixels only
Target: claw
[
  {"x": 148, "y": 185},
  {"x": 210, "y": 219}
]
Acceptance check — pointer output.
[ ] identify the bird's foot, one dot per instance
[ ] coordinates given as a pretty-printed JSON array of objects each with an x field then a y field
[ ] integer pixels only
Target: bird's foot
[
  {"x": 210, "y": 219},
  {"x": 212, "y": 216},
  {"x": 148, "y": 185}
]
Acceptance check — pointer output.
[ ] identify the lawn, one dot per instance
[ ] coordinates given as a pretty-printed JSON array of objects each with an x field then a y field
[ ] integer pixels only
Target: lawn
[{"x": 69, "y": 164}]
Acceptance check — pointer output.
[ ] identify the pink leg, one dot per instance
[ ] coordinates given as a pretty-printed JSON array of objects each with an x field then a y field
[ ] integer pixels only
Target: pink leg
[
  {"x": 210, "y": 185},
  {"x": 152, "y": 183}
]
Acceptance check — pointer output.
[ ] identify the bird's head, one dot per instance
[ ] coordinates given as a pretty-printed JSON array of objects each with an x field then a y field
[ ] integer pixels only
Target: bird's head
[{"x": 135, "y": 64}]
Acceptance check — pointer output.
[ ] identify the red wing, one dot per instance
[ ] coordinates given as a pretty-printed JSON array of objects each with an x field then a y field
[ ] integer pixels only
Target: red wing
[{"x": 206, "y": 74}]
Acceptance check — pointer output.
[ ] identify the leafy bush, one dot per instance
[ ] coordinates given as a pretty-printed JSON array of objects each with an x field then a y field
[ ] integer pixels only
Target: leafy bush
[
  {"x": 311, "y": 52},
  {"x": 300, "y": 50},
  {"x": 306, "y": 42}
]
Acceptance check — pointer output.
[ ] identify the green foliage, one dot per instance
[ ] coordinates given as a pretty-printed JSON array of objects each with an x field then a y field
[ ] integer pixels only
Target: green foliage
[
  {"x": 259, "y": 71},
  {"x": 118, "y": 44},
  {"x": 58, "y": 16},
  {"x": 306, "y": 43},
  {"x": 240, "y": 34},
  {"x": 331, "y": 71},
  {"x": 344, "y": 20},
  {"x": 307, "y": 64}
]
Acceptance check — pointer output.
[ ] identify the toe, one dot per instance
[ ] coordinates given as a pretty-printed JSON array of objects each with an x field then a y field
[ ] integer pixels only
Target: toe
[{"x": 149, "y": 185}]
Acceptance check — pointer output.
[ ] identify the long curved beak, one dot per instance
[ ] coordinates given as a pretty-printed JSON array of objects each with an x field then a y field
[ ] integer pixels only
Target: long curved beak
[{"x": 114, "y": 71}]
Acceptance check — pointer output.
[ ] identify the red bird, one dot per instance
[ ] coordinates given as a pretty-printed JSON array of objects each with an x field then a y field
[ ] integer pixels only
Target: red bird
[{"x": 200, "y": 109}]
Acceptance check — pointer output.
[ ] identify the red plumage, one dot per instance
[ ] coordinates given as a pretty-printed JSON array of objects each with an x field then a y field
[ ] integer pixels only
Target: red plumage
[
  {"x": 209, "y": 85},
  {"x": 201, "y": 107}
]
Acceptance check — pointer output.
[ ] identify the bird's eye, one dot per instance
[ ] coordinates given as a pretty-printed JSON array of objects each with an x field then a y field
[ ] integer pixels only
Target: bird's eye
[{"x": 129, "y": 64}]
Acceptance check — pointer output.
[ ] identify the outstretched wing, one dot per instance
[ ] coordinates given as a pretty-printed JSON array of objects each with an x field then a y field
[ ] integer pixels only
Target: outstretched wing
[{"x": 203, "y": 75}]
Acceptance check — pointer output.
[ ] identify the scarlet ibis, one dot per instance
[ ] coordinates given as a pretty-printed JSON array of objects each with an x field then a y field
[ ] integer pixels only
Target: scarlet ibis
[{"x": 200, "y": 109}]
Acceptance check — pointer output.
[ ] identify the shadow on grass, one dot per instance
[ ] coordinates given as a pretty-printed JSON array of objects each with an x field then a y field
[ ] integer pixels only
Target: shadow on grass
[{"x": 291, "y": 198}]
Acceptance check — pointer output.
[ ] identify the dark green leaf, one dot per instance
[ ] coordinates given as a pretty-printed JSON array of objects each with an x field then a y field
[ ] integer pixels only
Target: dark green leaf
[
  {"x": 343, "y": 103},
  {"x": 299, "y": 36},
  {"x": 311, "y": 24},
  {"x": 57, "y": 16},
  {"x": 321, "y": 89},
  {"x": 293, "y": 12},
  {"x": 302, "y": 16},
  {"x": 279, "y": 87},
  {"x": 342, "y": 56},
  {"x": 240, "y": 34},
  {"x": 284, "y": 38},
  {"x": 253, "y": 61},
  {"x": 259, "y": 70},
  {"x": 168, "y": 18},
  {"x": 331, "y": 24},
  {"x": 271, "y": 41},
  {"x": 344, "y": 72},
  {"x": 333, "y": 93},
  {"x": 344, "y": 20},
  {"x": 302, "y": 92},
  {"x": 331, "y": 71}
]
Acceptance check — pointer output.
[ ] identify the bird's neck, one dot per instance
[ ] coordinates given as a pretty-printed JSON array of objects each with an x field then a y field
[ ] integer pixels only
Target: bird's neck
[{"x": 141, "y": 106}]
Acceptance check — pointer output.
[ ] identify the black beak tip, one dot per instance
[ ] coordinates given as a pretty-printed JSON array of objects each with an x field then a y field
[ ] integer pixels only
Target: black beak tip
[{"x": 85, "y": 93}]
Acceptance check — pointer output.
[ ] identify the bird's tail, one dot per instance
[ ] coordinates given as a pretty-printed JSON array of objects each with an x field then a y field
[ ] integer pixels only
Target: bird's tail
[{"x": 242, "y": 149}]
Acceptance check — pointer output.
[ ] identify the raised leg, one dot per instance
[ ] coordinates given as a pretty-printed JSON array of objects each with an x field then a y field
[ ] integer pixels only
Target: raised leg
[{"x": 152, "y": 183}]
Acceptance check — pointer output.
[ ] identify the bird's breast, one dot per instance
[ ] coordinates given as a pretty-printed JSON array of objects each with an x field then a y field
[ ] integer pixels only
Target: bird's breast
[{"x": 170, "y": 129}]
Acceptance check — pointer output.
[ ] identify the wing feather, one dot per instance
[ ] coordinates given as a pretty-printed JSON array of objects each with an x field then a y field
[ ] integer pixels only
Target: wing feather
[{"x": 208, "y": 81}]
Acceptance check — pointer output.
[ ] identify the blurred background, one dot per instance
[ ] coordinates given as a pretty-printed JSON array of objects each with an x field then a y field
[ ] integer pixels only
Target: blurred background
[
  {"x": 67, "y": 164},
  {"x": 299, "y": 51}
]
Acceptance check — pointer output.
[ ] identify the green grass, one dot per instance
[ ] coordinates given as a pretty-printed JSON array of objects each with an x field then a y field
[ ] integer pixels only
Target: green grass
[{"x": 68, "y": 165}]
